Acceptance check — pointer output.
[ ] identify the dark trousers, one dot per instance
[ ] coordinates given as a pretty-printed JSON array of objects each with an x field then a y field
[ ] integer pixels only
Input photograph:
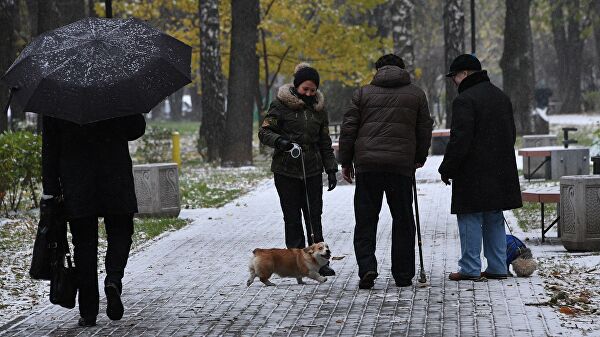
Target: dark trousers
[
  {"x": 119, "y": 229},
  {"x": 293, "y": 204},
  {"x": 368, "y": 198}
]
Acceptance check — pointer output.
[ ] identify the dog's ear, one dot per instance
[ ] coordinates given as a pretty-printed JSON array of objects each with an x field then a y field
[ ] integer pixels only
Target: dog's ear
[{"x": 309, "y": 250}]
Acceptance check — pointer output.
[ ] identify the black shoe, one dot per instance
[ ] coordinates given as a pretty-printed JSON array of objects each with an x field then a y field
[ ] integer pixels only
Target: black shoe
[
  {"x": 368, "y": 280},
  {"x": 114, "y": 306},
  {"x": 326, "y": 271},
  {"x": 404, "y": 283},
  {"x": 87, "y": 321}
]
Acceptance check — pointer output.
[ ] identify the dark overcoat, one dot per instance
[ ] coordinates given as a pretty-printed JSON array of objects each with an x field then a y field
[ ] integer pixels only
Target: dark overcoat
[
  {"x": 90, "y": 164},
  {"x": 480, "y": 156},
  {"x": 308, "y": 126}
]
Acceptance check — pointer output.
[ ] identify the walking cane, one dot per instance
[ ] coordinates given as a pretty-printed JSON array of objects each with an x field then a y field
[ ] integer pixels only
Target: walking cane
[
  {"x": 296, "y": 152},
  {"x": 422, "y": 277}
]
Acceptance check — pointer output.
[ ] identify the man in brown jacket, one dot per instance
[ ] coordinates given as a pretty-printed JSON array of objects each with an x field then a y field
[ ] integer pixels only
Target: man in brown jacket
[{"x": 385, "y": 136}]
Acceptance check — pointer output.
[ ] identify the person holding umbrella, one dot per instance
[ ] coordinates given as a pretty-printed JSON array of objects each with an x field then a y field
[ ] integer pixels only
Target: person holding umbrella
[
  {"x": 298, "y": 116},
  {"x": 92, "y": 80}
]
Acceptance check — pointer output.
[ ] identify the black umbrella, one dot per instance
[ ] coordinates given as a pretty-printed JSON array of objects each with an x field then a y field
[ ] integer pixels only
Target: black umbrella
[{"x": 96, "y": 69}]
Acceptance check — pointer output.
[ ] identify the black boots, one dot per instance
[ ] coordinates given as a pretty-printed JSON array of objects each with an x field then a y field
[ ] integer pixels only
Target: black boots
[
  {"x": 87, "y": 321},
  {"x": 326, "y": 271},
  {"x": 114, "y": 306}
]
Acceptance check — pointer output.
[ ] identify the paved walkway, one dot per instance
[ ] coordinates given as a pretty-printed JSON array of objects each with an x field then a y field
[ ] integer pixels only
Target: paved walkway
[{"x": 193, "y": 282}]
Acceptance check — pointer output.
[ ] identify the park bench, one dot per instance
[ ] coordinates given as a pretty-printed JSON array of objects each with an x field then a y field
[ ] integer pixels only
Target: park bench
[{"x": 543, "y": 195}]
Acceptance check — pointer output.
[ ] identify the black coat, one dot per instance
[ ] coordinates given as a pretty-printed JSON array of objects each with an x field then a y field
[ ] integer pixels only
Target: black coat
[
  {"x": 480, "y": 157},
  {"x": 90, "y": 164}
]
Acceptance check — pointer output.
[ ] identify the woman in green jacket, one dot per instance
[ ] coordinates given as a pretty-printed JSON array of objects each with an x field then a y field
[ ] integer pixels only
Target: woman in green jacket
[{"x": 297, "y": 116}]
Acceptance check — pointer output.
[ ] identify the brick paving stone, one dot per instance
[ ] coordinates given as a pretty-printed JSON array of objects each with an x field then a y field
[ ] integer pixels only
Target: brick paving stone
[{"x": 193, "y": 282}]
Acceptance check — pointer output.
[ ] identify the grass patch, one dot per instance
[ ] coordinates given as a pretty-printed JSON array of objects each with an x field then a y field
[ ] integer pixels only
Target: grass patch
[
  {"x": 186, "y": 128},
  {"x": 210, "y": 186},
  {"x": 146, "y": 229}
]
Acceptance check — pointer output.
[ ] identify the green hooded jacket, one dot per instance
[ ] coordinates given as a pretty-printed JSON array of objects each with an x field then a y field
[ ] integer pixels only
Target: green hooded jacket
[{"x": 290, "y": 118}]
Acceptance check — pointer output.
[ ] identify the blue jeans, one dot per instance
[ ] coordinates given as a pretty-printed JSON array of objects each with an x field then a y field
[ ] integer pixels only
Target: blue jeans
[{"x": 472, "y": 228}]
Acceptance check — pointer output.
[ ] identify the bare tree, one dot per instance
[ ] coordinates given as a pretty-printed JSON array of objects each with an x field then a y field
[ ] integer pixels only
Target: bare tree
[
  {"x": 402, "y": 33},
  {"x": 568, "y": 20},
  {"x": 517, "y": 63},
  {"x": 596, "y": 21},
  {"x": 243, "y": 70},
  {"x": 454, "y": 45},
  {"x": 211, "y": 76}
]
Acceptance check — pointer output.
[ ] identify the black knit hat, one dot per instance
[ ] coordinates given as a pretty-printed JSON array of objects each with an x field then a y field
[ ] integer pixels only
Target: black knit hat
[
  {"x": 304, "y": 72},
  {"x": 464, "y": 62},
  {"x": 390, "y": 60}
]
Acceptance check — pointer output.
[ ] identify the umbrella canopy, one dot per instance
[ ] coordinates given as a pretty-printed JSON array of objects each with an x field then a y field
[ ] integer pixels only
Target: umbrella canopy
[{"x": 97, "y": 69}]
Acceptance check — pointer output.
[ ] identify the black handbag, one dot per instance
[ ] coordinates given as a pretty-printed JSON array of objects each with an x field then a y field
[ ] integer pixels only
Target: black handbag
[
  {"x": 63, "y": 283},
  {"x": 47, "y": 238},
  {"x": 40, "y": 261}
]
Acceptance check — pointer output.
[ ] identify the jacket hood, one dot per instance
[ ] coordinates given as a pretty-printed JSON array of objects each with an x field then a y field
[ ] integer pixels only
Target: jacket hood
[
  {"x": 473, "y": 79},
  {"x": 288, "y": 99},
  {"x": 391, "y": 76}
]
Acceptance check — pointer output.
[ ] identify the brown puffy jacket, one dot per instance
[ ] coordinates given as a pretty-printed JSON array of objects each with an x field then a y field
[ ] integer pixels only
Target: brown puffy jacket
[{"x": 388, "y": 126}]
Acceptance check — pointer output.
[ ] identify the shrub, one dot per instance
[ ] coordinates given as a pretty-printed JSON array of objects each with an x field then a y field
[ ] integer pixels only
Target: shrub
[
  {"x": 20, "y": 168},
  {"x": 591, "y": 100},
  {"x": 154, "y": 146}
]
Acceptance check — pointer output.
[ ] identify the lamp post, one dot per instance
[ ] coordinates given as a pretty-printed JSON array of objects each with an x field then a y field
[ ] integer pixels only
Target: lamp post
[
  {"x": 108, "y": 8},
  {"x": 473, "y": 27}
]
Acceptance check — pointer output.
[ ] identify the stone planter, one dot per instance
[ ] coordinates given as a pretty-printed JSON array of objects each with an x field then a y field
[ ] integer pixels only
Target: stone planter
[
  {"x": 157, "y": 189},
  {"x": 439, "y": 141},
  {"x": 537, "y": 141},
  {"x": 580, "y": 212}
]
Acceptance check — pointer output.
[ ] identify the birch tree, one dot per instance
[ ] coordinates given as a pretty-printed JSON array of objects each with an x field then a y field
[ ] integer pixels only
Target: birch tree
[
  {"x": 454, "y": 45},
  {"x": 517, "y": 63},
  {"x": 402, "y": 32},
  {"x": 211, "y": 76}
]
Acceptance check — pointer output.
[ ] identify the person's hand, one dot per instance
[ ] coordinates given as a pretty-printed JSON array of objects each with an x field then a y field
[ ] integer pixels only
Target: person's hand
[
  {"x": 418, "y": 165},
  {"x": 332, "y": 179},
  {"x": 348, "y": 174},
  {"x": 446, "y": 180},
  {"x": 283, "y": 144}
]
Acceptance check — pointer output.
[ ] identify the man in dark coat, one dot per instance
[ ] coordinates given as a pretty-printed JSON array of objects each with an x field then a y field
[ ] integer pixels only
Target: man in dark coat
[
  {"x": 89, "y": 165},
  {"x": 386, "y": 134},
  {"x": 480, "y": 162},
  {"x": 298, "y": 115}
]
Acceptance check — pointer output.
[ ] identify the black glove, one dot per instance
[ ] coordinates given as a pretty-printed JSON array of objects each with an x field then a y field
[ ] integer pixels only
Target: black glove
[
  {"x": 445, "y": 179},
  {"x": 332, "y": 179},
  {"x": 283, "y": 144}
]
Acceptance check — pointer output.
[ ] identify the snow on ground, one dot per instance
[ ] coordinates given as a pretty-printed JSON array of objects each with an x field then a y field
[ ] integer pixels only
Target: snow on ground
[{"x": 574, "y": 119}]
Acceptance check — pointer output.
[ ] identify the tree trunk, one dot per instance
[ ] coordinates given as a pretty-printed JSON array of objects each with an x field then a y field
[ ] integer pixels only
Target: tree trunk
[
  {"x": 212, "y": 125},
  {"x": 71, "y": 10},
  {"x": 454, "y": 45},
  {"x": 8, "y": 10},
  {"x": 196, "y": 99},
  {"x": 176, "y": 104},
  {"x": 402, "y": 33},
  {"x": 568, "y": 22},
  {"x": 243, "y": 70},
  {"x": 517, "y": 63},
  {"x": 596, "y": 22}
]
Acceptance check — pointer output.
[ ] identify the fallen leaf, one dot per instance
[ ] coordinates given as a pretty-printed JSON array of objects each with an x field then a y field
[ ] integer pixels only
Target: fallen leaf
[
  {"x": 337, "y": 257},
  {"x": 567, "y": 311},
  {"x": 339, "y": 321}
]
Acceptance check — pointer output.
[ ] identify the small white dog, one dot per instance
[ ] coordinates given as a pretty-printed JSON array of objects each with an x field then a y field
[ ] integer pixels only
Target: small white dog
[{"x": 294, "y": 262}]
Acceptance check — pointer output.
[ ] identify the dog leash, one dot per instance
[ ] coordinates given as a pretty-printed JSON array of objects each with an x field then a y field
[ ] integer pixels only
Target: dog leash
[{"x": 295, "y": 152}]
